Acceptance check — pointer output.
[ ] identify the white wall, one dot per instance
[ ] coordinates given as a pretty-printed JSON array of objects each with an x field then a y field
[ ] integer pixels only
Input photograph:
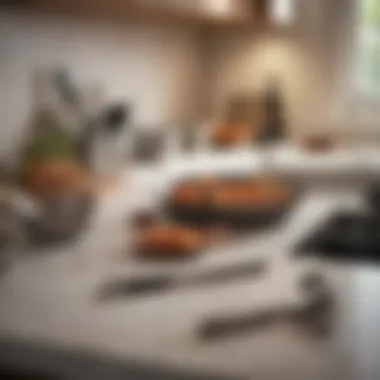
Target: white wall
[{"x": 157, "y": 68}]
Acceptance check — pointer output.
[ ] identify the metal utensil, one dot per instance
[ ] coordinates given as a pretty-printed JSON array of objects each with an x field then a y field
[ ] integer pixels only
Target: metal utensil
[{"x": 150, "y": 285}]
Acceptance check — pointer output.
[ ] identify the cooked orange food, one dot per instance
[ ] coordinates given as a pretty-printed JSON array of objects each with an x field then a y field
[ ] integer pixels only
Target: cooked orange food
[
  {"x": 253, "y": 193},
  {"x": 166, "y": 240},
  {"x": 52, "y": 179},
  {"x": 232, "y": 193},
  {"x": 230, "y": 134},
  {"x": 194, "y": 192}
]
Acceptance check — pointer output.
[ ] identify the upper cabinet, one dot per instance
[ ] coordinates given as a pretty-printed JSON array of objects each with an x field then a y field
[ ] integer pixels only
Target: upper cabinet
[
  {"x": 198, "y": 12},
  {"x": 204, "y": 11}
]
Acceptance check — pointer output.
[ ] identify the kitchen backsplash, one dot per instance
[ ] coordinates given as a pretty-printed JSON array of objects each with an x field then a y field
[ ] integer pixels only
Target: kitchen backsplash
[{"x": 155, "y": 68}]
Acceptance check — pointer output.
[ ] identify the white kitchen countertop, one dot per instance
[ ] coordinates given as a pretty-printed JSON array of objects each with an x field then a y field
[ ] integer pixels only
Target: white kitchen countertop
[
  {"x": 283, "y": 159},
  {"x": 50, "y": 297}
]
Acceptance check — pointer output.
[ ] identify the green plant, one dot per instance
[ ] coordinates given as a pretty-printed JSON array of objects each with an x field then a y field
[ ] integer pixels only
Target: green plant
[{"x": 371, "y": 13}]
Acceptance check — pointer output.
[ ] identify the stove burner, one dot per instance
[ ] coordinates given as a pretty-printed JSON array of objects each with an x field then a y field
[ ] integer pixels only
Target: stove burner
[{"x": 345, "y": 236}]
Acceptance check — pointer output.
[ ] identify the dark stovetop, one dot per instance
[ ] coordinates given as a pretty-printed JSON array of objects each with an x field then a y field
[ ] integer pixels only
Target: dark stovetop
[{"x": 346, "y": 236}]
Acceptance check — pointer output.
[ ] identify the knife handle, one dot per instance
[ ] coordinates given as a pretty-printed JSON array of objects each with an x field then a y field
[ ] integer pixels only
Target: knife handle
[
  {"x": 136, "y": 287},
  {"x": 220, "y": 327}
]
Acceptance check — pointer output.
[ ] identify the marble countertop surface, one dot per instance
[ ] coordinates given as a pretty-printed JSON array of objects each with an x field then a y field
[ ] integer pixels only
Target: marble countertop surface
[{"x": 50, "y": 297}]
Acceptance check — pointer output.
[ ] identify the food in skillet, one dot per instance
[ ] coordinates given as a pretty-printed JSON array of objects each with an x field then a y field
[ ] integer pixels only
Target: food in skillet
[{"x": 254, "y": 193}]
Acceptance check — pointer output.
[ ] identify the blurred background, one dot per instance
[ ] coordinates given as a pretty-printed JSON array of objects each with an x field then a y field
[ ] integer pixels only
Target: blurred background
[{"x": 189, "y": 189}]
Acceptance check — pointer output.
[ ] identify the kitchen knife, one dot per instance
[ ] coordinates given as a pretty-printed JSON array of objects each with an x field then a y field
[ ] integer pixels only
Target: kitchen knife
[{"x": 150, "y": 285}]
